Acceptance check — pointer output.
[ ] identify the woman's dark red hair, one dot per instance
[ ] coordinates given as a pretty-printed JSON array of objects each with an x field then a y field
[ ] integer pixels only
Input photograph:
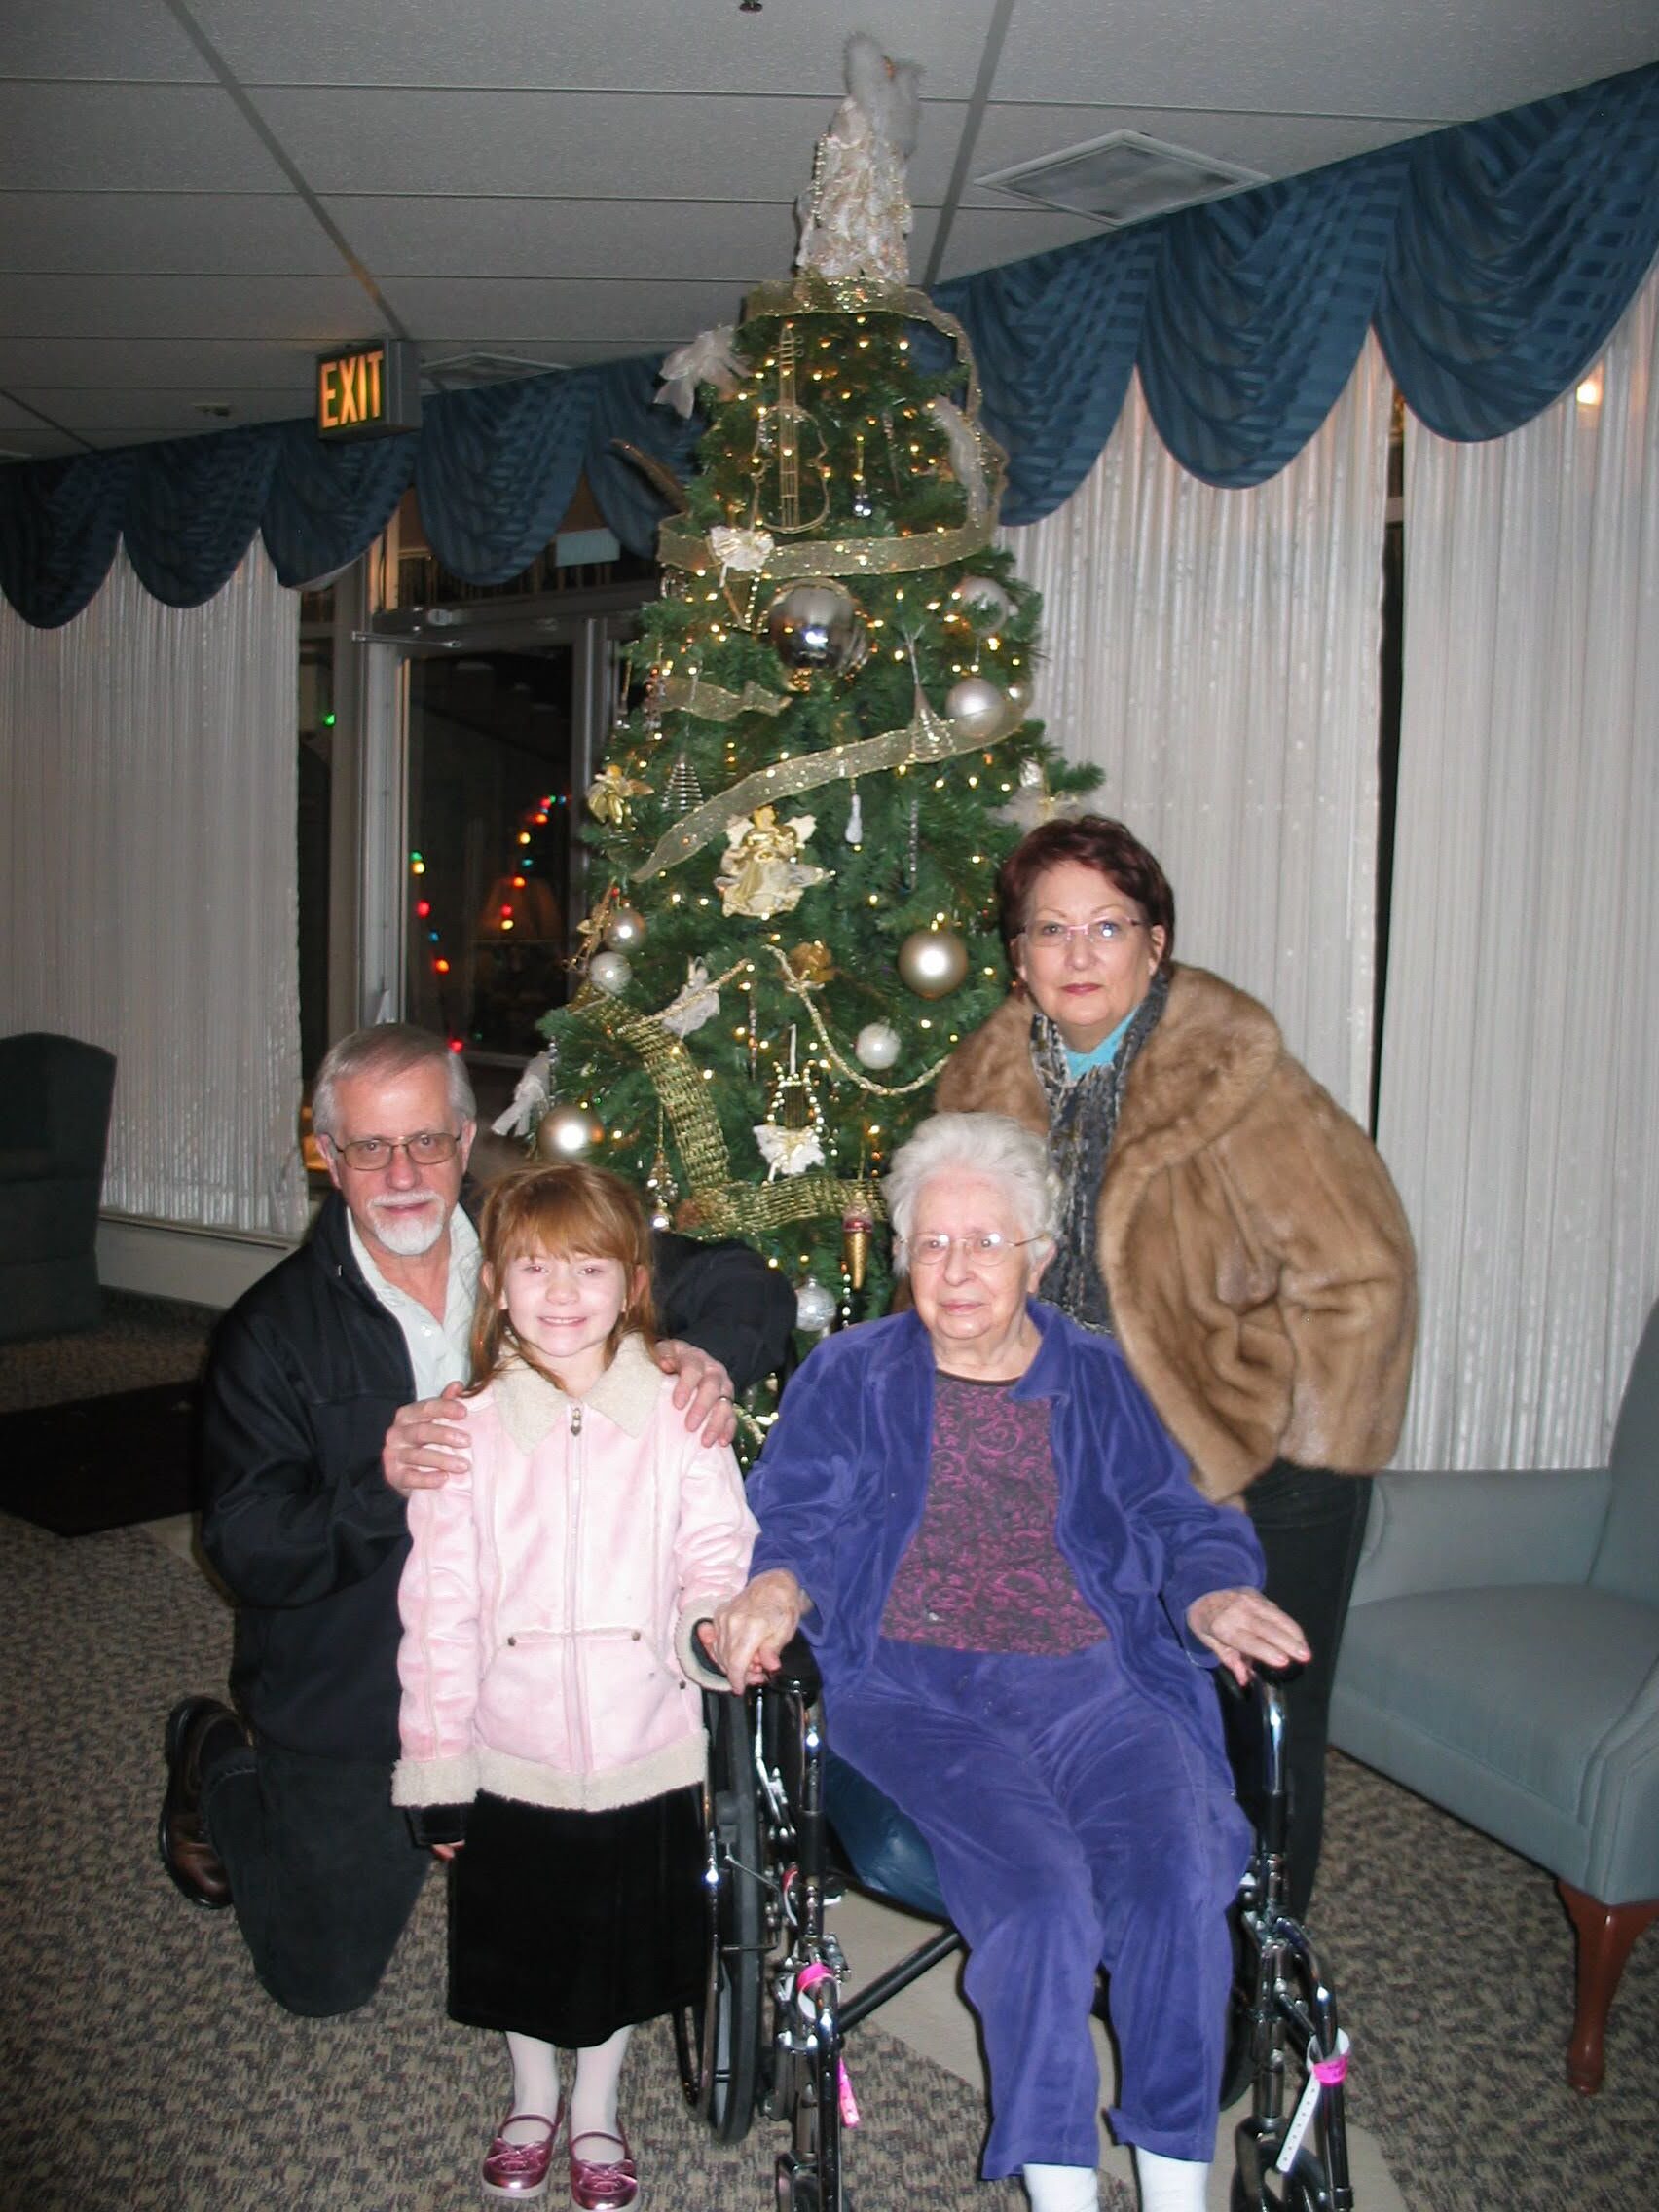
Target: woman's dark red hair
[{"x": 1094, "y": 841}]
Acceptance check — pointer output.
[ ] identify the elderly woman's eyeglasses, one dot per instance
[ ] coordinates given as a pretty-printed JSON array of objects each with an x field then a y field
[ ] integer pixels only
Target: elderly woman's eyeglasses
[
  {"x": 1103, "y": 933},
  {"x": 372, "y": 1155},
  {"x": 988, "y": 1250}
]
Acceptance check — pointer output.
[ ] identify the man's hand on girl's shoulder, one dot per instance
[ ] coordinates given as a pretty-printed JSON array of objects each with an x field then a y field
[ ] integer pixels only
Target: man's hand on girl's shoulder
[
  {"x": 427, "y": 1442},
  {"x": 702, "y": 1391}
]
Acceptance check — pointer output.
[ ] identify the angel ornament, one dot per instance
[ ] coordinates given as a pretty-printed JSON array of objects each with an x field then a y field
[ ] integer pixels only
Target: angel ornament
[
  {"x": 855, "y": 220},
  {"x": 792, "y": 1136},
  {"x": 761, "y": 872}
]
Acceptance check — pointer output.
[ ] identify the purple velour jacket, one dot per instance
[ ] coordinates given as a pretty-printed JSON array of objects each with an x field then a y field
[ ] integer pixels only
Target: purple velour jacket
[{"x": 841, "y": 1488}]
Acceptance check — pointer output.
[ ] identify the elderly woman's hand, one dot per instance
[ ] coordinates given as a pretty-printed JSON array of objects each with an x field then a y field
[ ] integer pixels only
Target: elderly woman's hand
[
  {"x": 1241, "y": 1626},
  {"x": 748, "y": 1634}
]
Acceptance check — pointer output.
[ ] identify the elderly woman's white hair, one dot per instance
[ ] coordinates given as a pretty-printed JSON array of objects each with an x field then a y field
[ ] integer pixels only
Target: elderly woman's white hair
[{"x": 994, "y": 1146}]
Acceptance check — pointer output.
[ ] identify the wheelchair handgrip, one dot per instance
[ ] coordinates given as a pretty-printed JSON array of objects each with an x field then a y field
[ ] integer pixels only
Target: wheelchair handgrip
[{"x": 798, "y": 1669}]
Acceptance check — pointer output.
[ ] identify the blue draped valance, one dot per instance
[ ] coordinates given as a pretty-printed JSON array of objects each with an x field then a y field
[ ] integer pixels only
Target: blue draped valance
[{"x": 1492, "y": 259}]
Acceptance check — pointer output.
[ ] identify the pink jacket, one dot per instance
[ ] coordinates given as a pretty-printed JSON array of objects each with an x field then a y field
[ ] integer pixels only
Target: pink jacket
[{"x": 548, "y": 1599}]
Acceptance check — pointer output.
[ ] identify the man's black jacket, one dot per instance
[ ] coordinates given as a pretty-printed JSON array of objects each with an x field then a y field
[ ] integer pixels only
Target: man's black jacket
[{"x": 305, "y": 1374}]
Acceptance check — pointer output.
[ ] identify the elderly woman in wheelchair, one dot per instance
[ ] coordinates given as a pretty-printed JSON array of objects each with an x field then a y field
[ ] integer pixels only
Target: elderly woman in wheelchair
[{"x": 1014, "y": 1594}]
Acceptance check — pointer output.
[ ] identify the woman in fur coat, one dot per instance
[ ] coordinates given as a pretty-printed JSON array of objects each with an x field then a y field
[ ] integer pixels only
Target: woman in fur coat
[{"x": 1222, "y": 1217}]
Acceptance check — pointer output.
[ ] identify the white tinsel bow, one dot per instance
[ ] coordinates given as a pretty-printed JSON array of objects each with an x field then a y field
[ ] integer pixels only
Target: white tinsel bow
[
  {"x": 531, "y": 1099},
  {"x": 967, "y": 461},
  {"x": 692, "y": 1006},
  {"x": 746, "y": 550},
  {"x": 789, "y": 1151},
  {"x": 708, "y": 359}
]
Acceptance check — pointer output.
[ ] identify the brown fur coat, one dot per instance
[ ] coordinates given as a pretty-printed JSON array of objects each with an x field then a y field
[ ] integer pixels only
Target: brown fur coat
[{"x": 1259, "y": 1262}]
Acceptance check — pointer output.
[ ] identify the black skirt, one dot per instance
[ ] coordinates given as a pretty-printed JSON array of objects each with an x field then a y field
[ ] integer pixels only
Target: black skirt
[{"x": 569, "y": 1926}]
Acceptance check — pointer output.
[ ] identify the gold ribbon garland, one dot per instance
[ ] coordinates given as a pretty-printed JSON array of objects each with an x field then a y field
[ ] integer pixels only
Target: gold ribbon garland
[
  {"x": 926, "y": 738},
  {"x": 717, "y": 1204},
  {"x": 714, "y": 702}
]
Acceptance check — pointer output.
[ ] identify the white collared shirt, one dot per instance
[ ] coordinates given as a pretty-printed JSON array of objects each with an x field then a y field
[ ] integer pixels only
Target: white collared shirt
[{"x": 439, "y": 1351}]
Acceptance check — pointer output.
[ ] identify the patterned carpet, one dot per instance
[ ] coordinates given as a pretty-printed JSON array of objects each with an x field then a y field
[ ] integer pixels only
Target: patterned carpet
[{"x": 145, "y": 2069}]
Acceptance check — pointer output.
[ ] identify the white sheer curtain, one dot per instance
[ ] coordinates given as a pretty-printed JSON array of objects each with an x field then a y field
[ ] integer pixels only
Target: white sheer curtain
[
  {"x": 149, "y": 757},
  {"x": 1217, "y": 654},
  {"x": 1520, "y": 1104}
]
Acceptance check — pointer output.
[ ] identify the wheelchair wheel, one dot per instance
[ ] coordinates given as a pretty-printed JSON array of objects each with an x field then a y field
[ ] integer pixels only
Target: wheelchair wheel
[{"x": 721, "y": 2041}]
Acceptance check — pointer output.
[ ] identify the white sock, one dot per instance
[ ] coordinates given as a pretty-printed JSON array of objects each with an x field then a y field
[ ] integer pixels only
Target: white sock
[
  {"x": 598, "y": 2074},
  {"x": 1171, "y": 2185},
  {"x": 1061, "y": 2189},
  {"x": 536, "y": 2088}
]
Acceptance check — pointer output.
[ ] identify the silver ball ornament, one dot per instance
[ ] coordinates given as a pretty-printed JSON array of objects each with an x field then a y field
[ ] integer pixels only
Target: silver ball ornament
[
  {"x": 815, "y": 1307},
  {"x": 877, "y": 1044},
  {"x": 610, "y": 972},
  {"x": 984, "y": 601},
  {"x": 933, "y": 963},
  {"x": 567, "y": 1132},
  {"x": 817, "y": 626},
  {"x": 984, "y": 708},
  {"x": 625, "y": 929}
]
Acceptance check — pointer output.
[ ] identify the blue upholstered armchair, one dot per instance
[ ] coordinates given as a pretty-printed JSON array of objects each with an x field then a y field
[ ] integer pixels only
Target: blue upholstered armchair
[
  {"x": 54, "y": 1102},
  {"x": 1502, "y": 1659}
]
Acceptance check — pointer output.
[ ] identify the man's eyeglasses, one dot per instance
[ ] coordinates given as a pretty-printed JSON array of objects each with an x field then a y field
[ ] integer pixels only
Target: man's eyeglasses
[
  {"x": 372, "y": 1155},
  {"x": 1105, "y": 932},
  {"x": 982, "y": 1251}
]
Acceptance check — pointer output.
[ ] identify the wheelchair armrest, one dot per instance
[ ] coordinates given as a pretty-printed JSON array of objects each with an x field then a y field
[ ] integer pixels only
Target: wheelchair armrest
[{"x": 797, "y": 1669}]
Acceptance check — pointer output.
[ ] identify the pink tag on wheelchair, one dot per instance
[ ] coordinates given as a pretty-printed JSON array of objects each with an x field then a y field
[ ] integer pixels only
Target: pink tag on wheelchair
[{"x": 1321, "y": 2073}]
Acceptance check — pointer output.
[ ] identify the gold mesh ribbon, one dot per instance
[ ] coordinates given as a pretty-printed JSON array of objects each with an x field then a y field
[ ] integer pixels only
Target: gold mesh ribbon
[
  {"x": 679, "y": 545},
  {"x": 925, "y": 737},
  {"x": 696, "y": 695},
  {"x": 715, "y": 1206}
]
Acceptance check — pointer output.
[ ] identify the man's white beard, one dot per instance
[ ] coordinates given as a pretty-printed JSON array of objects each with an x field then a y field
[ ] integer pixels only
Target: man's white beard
[{"x": 405, "y": 1230}]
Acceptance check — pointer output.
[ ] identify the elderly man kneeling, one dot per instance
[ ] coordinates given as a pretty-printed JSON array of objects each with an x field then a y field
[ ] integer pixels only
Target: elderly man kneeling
[{"x": 1013, "y": 1593}]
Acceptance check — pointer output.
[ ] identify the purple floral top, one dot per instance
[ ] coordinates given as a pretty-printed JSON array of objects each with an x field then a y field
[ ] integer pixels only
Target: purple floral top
[{"x": 984, "y": 1572}]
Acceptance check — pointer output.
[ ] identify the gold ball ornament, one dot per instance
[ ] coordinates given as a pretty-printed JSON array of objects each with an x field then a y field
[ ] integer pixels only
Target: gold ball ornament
[
  {"x": 625, "y": 929},
  {"x": 985, "y": 709},
  {"x": 609, "y": 971},
  {"x": 984, "y": 601},
  {"x": 933, "y": 963},
  {"x": 567, "y": 1132},
  {"x": 817, "y": 627},
  {"x": 877, "y": 1044}
]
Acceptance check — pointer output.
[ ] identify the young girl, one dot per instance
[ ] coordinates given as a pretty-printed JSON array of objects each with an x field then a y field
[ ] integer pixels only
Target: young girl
[{"x": 551, "y": 1720}]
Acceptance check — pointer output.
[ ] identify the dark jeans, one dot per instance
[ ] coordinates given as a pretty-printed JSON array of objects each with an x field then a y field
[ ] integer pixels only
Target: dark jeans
[
  {"x": 323, "y": 1872},
  {"x": 1311, "y": 1523}
]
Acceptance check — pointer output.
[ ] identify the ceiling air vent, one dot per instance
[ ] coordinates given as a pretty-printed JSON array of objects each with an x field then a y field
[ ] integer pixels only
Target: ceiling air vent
[
  {"x": 460, "y": 372},
  {"x": 1123, "y": 178}
]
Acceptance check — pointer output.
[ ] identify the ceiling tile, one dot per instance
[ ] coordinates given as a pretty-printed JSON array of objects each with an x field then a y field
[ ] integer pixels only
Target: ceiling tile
[
  {"x": 135, "y": 39},
  {"x": 132, "y": 408},
  {"x": 652, "y": 239},
  {"x": 661, "y": 146},
  {"x": 180, "y": 233},
  {"x": 1428, "y": 60},
  {"x": 200, "y": 365},
  {"x": 634, "y": 317},
  {"x": 320, "y": 311},
  {"x": 656, "y": 45},
  {"x": 129, "y": 138}
]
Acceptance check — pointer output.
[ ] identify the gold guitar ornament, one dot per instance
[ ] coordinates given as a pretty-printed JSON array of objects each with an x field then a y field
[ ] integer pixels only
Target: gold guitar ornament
[{"x": 787, "y": 462}]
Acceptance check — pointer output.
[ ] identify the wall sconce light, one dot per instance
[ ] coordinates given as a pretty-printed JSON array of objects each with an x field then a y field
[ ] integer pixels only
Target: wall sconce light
[{"x": 1589, "y": 391}]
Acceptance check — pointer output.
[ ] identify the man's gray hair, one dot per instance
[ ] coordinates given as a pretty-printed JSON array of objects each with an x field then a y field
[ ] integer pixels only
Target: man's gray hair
[
  {"x": 994, "y": 1146},
  {"x": 388, "y": 1050}
]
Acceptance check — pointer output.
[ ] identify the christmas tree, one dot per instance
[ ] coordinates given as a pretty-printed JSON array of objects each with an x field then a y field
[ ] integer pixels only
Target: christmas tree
[{"x": 798, "y": 826}]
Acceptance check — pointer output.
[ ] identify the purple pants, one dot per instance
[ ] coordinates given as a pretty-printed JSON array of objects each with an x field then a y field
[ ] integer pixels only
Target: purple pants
[{"x": 1074, "y": 1823}]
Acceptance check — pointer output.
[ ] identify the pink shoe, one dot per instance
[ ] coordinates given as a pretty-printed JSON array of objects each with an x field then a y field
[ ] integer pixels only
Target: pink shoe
[
  {"x": 519, "y": 2170},
  {"x": 602, "y": 2184}
]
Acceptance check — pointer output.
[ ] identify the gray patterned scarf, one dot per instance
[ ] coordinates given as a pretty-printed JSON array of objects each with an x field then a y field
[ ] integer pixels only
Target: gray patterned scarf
[{"x": 1083, "y": 1120}]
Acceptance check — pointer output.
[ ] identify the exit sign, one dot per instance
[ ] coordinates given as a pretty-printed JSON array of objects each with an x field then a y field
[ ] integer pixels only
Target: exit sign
[{"x": 368, "y": 389}]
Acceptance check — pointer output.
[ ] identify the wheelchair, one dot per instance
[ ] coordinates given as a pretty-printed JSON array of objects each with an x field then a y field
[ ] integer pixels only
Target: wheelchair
[{"x": 768, "y": 2035}]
